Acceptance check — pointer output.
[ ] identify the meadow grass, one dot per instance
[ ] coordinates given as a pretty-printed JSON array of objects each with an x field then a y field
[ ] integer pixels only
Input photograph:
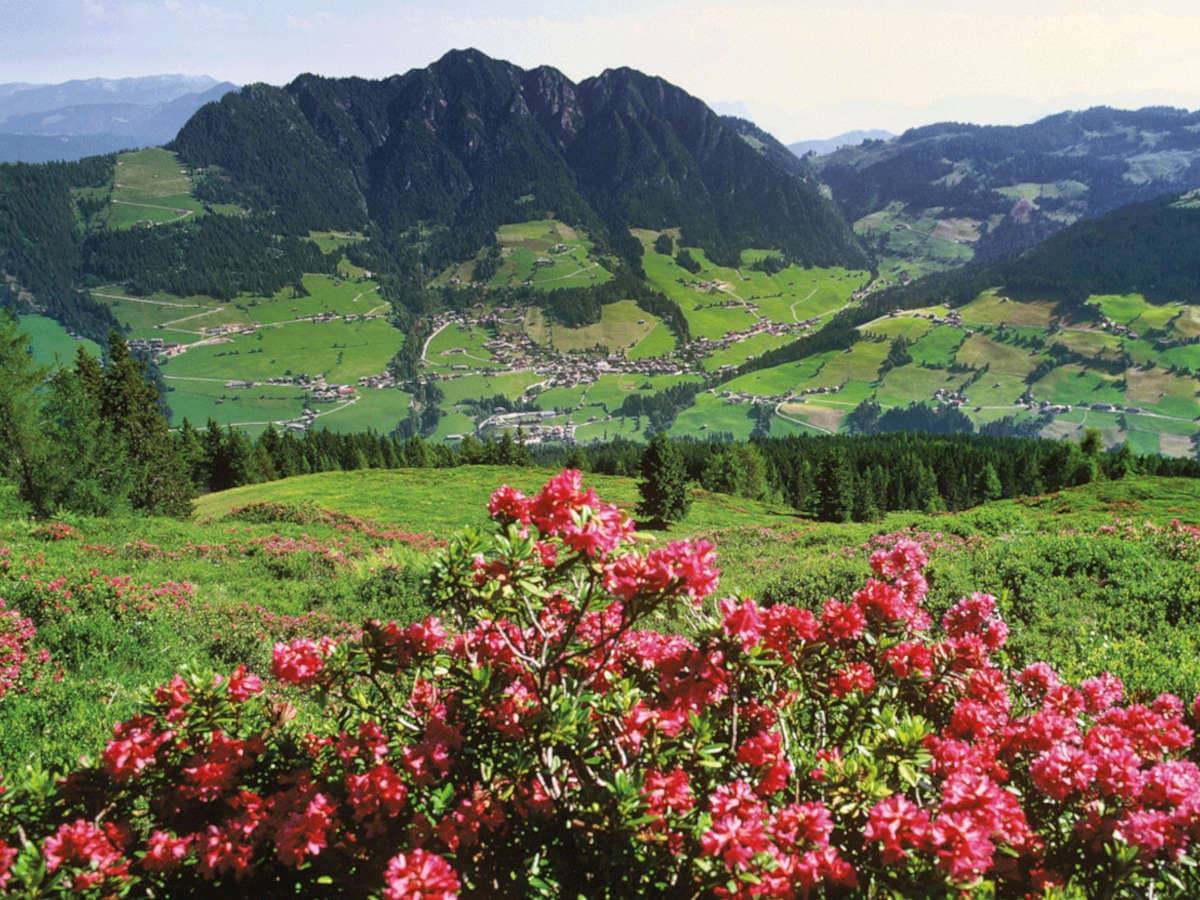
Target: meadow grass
[
  {"x": 1073, "y": 385},
  {"x": 199, "y": 401},
  {"x": 457, "y": 345},
  {"x": 149, "y": 186},
  {"x": 660, "y": 341},
  {"x": 904, "y": 384},
  {"x": 622, "y": 325},
  {"x": 989, "y": 308},
  {"x": 979, "y": 350},
  {"x": 342, "y": 352},
  {"x": 939, "y": 346},
  {"x": 908, "y": 327},
  {"x": 50, "y": 344},
  {"x": 1162, "y": 392},
  {"x": 379, "y": 409},
  {"x": 710, "y": 415},
  {"x": 736, "y": 354}
]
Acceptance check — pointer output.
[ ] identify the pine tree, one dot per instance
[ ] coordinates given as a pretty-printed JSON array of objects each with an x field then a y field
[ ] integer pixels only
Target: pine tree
[
  {"x": 23, "y": 449},
  {"x": 835, "y": 487},
  {"x": 987, "y": 484},
  {"x": 665, "y": 496},
  {"x": 94, "y": 478},
  {"x": 161, "y": 482}
]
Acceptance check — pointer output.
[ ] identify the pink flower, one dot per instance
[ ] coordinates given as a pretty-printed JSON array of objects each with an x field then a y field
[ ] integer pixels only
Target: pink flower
[
  {"x": 243, "y": 685},
  {"x": 898, "y": 825},
  {"x": 851, "y": 678},
  {"x": 7, "y": 855},
  {"x": 509, "y": 505},
  {"x": 419, "y": 875},
  {"x": 300, "y": 662},
  {"x": 842, "y": 621},
  {"x": 165, "y": 852},
  {"x": 306, "y": 831}
]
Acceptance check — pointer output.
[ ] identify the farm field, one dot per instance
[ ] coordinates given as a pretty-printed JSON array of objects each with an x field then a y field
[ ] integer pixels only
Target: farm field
[
  {"x": 544, "y": 253},
  {"x": 377, "y": 409},
  {"x": 50, "y": 342},
  {"x": 458, "y": 345},
  {"x": 198, "y": 401},
  {"x": 341, "y": 352},
  {"x": 150, "y": 187},
  {"x": 622, "y": 326}
]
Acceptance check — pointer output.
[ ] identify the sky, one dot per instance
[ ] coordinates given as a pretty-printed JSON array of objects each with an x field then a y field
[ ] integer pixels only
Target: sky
[{"x": 802, "y": 70}]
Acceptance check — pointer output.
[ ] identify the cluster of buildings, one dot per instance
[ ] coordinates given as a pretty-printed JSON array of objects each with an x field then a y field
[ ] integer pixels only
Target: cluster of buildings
[
  {"x": 949, "y": 397},
  {"x": 155, "y": 346},
  {"x": 706, "y": 346}
]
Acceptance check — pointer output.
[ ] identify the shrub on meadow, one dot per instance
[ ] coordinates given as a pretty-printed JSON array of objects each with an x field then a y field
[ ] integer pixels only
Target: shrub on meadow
[{"x": 546, "y": 740}]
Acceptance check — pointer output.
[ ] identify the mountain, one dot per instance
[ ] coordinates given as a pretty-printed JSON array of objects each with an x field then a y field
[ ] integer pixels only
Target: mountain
[
  {"x": 849, "y": 139},
  {"x": 470, "y": 142},
  {"x": 982, "y": 191},
  {"x": 23, "y": 99},
  {"x": 83, "y": 118}
]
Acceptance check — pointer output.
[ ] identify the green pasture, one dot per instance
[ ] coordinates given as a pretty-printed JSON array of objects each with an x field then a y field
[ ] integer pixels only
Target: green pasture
[
  {"x": 780, "y": 379},
  {"x": 341, "y": 351},
  {"x": 50, "y": 343},
  {"x": 979, "y": 351},
  {"x": 737, "y": 353},
  {"x": 1073, "y": 385},
  {"x": 622, "y": 326},
  {"x": 149, "y": 187},
  {"x": 378, "y": 409},
  {"x": 995, "y": 389},
  {"x": 904, "y": 384},
  {"x": 660, "y": 341},
  {"x": 335, "y": 240},
  {"x": 992, "y": 309},
  {"x": 1162, "y": 392},
  {"x": 567, "y": 257},
  {"x": 474, "y": 387},
  {"x": 458, "y": 345},
  {"x": 939, "y": 346},
  {"x": 199, "y": 401},
  {"x": 908, "y": 327},
  {"x": 1099, "y": 344},
  {"x": 712, "y": 415}
]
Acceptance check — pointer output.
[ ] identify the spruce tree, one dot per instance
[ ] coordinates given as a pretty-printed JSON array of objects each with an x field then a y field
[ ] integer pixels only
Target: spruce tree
[
  {"x": 23, "y": 448},
  {"x": 835, "y": 487},
  {"x": 161, "y": 483},
  {"x": 663, "y": 486}
]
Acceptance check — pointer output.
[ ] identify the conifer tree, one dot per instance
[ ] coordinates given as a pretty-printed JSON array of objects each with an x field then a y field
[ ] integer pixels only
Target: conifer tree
[
  {"x": 161, "y": 482},
  {"x": 663, "y": 486},
  {"x": 22, "y": 448},
  {"x": 835, "y": 487}
]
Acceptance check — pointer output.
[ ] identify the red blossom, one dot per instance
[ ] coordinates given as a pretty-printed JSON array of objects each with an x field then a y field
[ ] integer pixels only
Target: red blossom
[{"x": 419, "y": 875}]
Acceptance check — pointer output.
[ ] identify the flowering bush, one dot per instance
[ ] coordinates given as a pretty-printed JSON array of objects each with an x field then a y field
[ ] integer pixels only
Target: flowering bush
[{"x": 547, "y": 740}]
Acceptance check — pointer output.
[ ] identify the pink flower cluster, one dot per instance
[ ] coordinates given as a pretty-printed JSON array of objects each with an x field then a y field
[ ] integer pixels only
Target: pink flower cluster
[
  {"x": 563, "y": 509},
  {"x": 16, "y": 636}
]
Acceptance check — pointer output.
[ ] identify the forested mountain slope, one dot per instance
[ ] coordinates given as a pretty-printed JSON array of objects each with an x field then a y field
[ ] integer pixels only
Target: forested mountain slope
[{"x": 471, "y": 142}]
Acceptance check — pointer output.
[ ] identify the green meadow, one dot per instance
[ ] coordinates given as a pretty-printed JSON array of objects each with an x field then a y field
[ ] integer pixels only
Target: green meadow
[{"x": 150, "y": 187}]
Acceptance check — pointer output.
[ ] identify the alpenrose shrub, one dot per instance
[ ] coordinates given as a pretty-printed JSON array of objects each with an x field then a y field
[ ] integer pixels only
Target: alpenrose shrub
[{"x": 546, "y": 741}]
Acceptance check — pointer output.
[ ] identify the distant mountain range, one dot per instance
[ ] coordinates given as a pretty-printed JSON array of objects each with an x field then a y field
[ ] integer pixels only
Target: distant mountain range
[
  {"x": 849, "y": 139},
  {"x": 1002, "y": 188},
  {"x": 39, "y": 123},
  {"x": 471, "y": 142}
]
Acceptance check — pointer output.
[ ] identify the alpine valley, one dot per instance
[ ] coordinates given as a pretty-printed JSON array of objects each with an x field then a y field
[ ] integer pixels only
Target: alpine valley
[{"x": 473, "y": 247}]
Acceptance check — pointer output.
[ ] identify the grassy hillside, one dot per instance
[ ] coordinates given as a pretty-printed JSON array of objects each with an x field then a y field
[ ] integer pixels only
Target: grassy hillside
[{"x": 1092, "y": 577}]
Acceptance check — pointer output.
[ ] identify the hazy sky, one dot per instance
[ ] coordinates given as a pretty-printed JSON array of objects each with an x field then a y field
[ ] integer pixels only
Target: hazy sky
[{"x": 805, "y": 69}]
